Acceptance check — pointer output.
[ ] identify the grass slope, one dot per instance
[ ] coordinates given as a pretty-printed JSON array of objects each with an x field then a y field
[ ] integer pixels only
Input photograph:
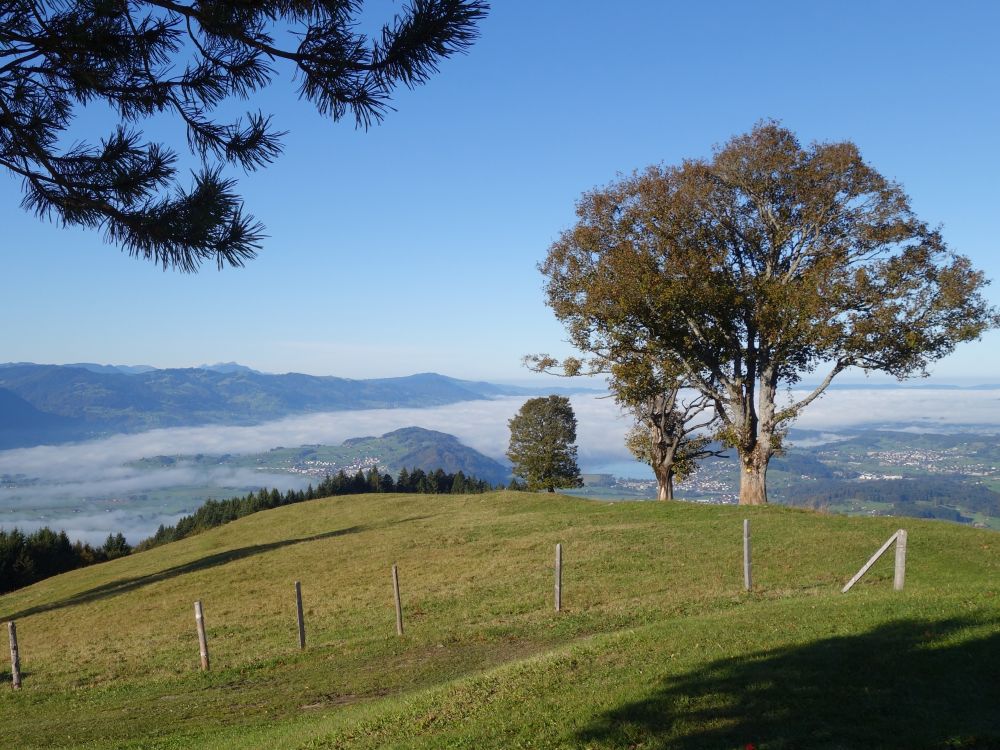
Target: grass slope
[{"x": 657, "y": 646}]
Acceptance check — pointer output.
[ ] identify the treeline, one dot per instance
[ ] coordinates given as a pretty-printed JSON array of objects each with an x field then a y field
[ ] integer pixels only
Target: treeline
[
  {"x": 28, "y": 558},
  {"x": 923, "y": 497},
  {"x": 217, "y": 512}
]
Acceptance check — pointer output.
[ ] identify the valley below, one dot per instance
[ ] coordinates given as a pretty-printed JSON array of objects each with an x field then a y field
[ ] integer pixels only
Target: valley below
[{"x": 909, "y": 451}]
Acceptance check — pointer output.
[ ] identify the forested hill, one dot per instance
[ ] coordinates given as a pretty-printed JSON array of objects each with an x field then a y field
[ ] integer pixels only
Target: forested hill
[
  {"x": 407, "y": 448},
  {"x": 77, "y": 401},
  {"x": 428, "y": 450}
]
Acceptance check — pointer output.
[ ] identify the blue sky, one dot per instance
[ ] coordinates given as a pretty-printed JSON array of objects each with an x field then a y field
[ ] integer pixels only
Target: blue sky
[{"x": 413, "y": 246}]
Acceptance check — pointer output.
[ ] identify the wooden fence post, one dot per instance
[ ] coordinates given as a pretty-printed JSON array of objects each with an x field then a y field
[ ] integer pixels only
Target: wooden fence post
[
  {"x": 298, "y": 611},
  {"x": 399, "y": 604},
  {"x": 871, "y": 561},
  {"x": 558, "y": 582},
  {"x": 899, "y": 575},
  {"x": 747, "y": 577},
  {"x": 15, "y": 658},
  {"x": 199, "y": 618}
]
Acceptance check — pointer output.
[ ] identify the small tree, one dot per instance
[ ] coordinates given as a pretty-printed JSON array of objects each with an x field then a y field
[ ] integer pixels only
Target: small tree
[{"x": 542, "y": 444}]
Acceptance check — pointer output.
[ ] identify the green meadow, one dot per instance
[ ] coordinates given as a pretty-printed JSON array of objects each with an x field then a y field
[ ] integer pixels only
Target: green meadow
[{"x": 657, "y": 645}]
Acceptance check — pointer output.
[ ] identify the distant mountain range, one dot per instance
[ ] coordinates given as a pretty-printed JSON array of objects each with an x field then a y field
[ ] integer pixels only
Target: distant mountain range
[{"x": 58, "y": 403}]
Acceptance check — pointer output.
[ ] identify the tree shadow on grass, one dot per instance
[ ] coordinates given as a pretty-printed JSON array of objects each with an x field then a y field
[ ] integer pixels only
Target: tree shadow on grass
[
  {"x": 907, "y": 685},
  {"x": 123, "y": 585}
]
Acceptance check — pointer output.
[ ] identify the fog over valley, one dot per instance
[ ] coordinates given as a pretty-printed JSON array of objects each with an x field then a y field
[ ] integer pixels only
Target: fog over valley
[{"x": 93, "y": 488}]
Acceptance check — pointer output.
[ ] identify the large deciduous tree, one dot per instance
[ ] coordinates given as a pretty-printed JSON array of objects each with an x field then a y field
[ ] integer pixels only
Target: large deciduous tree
[
  {"x": 185, "y": 58},
  {"x": 746, "y": 272},
  {"x": 543, "y": 444}
]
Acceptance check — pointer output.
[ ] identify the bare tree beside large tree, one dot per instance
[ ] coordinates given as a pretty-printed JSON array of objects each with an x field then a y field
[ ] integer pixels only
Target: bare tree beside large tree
[
  {"x": 670, "y": 435},
  {"x": 746, "y": 272}
]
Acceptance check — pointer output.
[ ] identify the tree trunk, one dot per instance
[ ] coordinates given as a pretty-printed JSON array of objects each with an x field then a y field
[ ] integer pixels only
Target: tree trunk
[
  {"x": 664, "y": 485},
  {"x": 753, "y": 479},
  {"x": 663, "y": 444},
  {"x": 666, "y": 491},
  {"x": 755, "y": 456}
]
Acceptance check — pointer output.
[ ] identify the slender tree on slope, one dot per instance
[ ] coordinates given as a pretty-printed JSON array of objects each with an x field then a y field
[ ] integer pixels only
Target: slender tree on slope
[{"x": 749, "y": 271}]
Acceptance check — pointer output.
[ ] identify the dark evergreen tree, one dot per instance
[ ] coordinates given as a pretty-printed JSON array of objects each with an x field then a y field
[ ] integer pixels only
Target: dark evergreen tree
[
  {"x": 116, "y": 546},
  {"x": 542, "y": 444},
  {"x": 387, "y": 483},
  {"x": 418, "y": 481}
]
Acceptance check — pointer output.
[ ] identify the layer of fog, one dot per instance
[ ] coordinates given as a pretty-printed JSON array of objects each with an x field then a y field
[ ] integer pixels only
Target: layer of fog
[
  {"x": 69, "y": 478},
  {"x": 479, "y": 424},
  {"x": 90, "y": 489}
]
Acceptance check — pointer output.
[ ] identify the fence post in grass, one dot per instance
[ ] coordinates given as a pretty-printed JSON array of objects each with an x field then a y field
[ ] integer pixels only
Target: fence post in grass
[
  {"x": 399, "y": 604},
  {"x": 747, "y": 577},
  {"x": 881, "y": 551},
  {"x": 15, "y": 658},
  {"x": 298, "y": 612},
  {"x": 558, "y": 592},
  {"x": 199, "y": 618},
  {"x": 899, "y": 574}
]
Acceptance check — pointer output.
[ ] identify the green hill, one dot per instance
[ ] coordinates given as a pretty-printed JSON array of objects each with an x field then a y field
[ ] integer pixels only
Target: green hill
[{"x": 657, "y": 646}]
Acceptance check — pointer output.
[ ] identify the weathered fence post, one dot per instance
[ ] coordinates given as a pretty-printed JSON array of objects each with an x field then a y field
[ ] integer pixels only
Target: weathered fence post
[
  {"x": 899, "y": 575},
  {"x": 747, "y": 577},
  {"x": 199, "y": 618},
  {"x": 15, "y": 658},
  {"x": 900, "y": 538},
  {"x": 558, "y": 581},
  {"x": 298, "y": 611},
  {"x": 399, "y": 604}
]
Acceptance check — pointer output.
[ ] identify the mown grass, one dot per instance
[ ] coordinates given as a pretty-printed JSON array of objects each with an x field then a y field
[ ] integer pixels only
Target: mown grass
[{"x": 657, "y": 645}]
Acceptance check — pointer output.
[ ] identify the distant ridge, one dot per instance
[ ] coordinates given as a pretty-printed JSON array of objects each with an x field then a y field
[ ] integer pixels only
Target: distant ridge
[
  {"x": 20, "y": 422},
  {"x": 101, "y": 399},
  {"x": 229, "y": 367},
  {"x": 123, "y": 369}
]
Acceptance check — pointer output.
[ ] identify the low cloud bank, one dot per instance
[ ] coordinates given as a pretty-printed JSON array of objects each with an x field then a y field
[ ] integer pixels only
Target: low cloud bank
[
  {"x": 68, "y": 475},
  {"x": 479, "y": 424},
  {"x": 948, "y": 408}
]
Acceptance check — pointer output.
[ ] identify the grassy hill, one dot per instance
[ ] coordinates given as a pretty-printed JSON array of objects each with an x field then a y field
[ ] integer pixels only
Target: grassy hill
[{"x": 657, "y": 646}]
